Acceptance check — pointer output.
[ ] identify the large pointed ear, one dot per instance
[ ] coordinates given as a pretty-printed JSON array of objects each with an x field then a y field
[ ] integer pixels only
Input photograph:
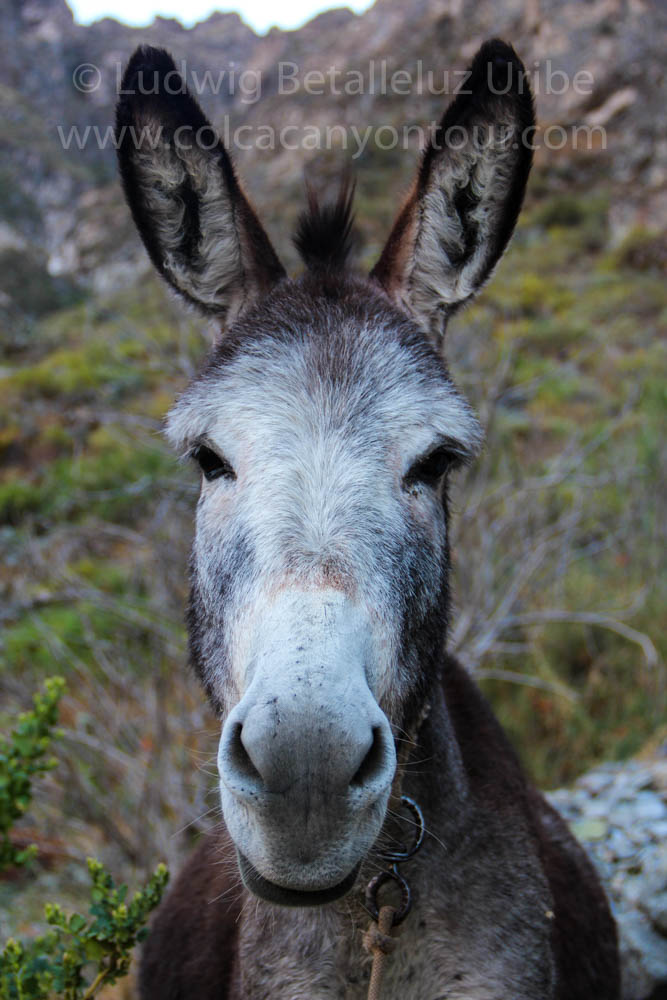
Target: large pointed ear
[
  {"x": 464, "y": 204},
  {"x": 197, "y": 225}
]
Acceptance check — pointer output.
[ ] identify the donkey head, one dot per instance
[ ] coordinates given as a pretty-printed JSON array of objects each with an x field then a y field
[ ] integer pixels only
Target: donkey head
[{"x": 325, "y": 424}]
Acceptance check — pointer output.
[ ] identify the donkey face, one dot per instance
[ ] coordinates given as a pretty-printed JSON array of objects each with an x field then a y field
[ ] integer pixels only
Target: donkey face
[{"x": 324, "y": 423}]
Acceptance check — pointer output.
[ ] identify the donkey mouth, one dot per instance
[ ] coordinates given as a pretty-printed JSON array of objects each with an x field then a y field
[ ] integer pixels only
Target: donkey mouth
[{"x": 278, "y": 894}]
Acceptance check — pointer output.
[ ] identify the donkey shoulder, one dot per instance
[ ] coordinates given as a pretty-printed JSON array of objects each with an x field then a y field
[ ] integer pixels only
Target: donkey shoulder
[
  {"x": 191, "y": 948},
  {"x": 584, "y": 937}
]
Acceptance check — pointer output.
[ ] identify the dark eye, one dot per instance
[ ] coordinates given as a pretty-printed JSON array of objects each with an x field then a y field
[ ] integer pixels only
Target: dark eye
[
  {"x": 430, "y": 469},
  {"x": 211, "y": 464}
]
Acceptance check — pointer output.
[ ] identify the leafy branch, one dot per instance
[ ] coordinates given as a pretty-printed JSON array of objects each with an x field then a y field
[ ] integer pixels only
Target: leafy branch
[
  {"x": 21, "y": 758},
  {"x": 78, "y": 955},
  {"x": 59, "y": 962}
]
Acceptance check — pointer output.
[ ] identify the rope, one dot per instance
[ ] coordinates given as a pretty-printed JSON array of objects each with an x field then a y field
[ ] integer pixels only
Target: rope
[
  {"x": 379, "y": 943},
  {"x": 378, "y": 939}
]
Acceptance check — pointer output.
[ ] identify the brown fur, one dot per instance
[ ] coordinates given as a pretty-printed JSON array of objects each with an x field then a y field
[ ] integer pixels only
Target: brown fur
[{"x": 193, "y": 949}]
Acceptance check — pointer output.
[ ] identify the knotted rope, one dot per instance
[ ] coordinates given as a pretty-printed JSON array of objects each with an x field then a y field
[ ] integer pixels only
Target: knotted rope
[{"x": 379, "y": 943}]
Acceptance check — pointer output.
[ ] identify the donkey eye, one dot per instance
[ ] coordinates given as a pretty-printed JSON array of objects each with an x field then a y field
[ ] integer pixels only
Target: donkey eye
[
  {"x": 430, "y": 469},
  {"x": 211, "y": 464}
]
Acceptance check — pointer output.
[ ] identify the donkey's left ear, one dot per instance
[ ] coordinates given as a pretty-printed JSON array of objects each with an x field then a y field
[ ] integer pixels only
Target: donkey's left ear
[
  {"x": 197, "y": 225},
  {"x": 463, "y": 207}
]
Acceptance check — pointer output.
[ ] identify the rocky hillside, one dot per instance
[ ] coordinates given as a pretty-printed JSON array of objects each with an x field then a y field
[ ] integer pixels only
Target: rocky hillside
[{"x": 598, "y": 64}]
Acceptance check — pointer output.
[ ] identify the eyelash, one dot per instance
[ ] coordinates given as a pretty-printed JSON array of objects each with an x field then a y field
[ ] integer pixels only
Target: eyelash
[
  {"x": 430, "y": 469},
  {"x": 212, "y": 465}
]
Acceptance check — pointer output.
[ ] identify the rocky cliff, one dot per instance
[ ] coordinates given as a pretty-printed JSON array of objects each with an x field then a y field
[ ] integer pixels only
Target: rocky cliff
[{"x": 597, "y": 64}]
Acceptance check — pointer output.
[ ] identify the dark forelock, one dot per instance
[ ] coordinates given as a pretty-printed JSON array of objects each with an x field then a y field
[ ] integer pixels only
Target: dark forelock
[{"x": 325, "y": 235}]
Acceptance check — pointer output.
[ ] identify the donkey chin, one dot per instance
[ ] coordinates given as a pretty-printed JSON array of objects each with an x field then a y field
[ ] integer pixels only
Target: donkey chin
[
  {"x": 285, "y": 863},
  {"x": 306, "y": 757}
]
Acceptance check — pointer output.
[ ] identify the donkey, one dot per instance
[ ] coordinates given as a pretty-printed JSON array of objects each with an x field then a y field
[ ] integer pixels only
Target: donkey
[{"x": 326, "y": 427}]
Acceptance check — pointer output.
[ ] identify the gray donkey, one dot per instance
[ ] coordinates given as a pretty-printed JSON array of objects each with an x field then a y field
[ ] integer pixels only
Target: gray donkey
[{"x": 326, "y": 426}]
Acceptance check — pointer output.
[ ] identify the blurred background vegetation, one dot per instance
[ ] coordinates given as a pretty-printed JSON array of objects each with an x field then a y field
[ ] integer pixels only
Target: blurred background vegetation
[{"x": 558, "y": 536}]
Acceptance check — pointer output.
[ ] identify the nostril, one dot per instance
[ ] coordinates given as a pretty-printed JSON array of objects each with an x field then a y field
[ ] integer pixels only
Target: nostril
[
  {"x": 238, "y": 758},
  {"x": 373, "y": 762}
]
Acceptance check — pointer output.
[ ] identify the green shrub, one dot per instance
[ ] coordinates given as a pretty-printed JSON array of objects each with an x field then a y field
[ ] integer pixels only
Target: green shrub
[
  {"x": 78, "y": 955},
  {"x": 111, "y": 479},
  {"x": 82, "y": 373},
  {"x": 641, "y": 250},
  {"x": 21, "y": 758}
]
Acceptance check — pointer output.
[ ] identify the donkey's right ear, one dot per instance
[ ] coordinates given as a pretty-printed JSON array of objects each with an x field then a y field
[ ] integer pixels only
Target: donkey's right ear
[
  {"x": 196, "y": 224},
  {"x": 461, "y": 212}
]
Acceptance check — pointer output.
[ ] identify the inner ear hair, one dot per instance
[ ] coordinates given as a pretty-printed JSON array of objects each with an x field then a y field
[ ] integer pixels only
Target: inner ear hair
[
  {"x": 196, "y": 223},
  {"x": 463, "y": 206}
]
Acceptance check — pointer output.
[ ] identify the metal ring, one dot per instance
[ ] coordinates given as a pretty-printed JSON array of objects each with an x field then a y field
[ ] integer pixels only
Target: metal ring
[
  {"x": 388, "y": 855},
  {"x": 376, "y": 884}
]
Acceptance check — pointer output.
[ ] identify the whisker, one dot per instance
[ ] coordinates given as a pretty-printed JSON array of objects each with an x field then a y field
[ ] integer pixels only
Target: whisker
[
  {"x": 226, "y": 892},
  {"x": 412, "y": 822},
  {"x": 196, "y": 819}
]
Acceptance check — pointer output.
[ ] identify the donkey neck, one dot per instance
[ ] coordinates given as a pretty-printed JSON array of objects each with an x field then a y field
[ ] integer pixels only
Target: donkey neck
[
  {"x": 466, "y": 779},
  {"x": 317, "y": 953}
]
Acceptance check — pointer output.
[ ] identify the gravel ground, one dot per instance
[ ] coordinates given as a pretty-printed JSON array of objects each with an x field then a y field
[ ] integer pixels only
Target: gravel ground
[{"x": 619, "y": 813}]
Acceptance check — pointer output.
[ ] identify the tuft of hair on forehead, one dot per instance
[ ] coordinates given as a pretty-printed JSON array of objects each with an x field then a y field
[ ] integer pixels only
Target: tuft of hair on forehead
[{"x": 325, "y": 235}]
